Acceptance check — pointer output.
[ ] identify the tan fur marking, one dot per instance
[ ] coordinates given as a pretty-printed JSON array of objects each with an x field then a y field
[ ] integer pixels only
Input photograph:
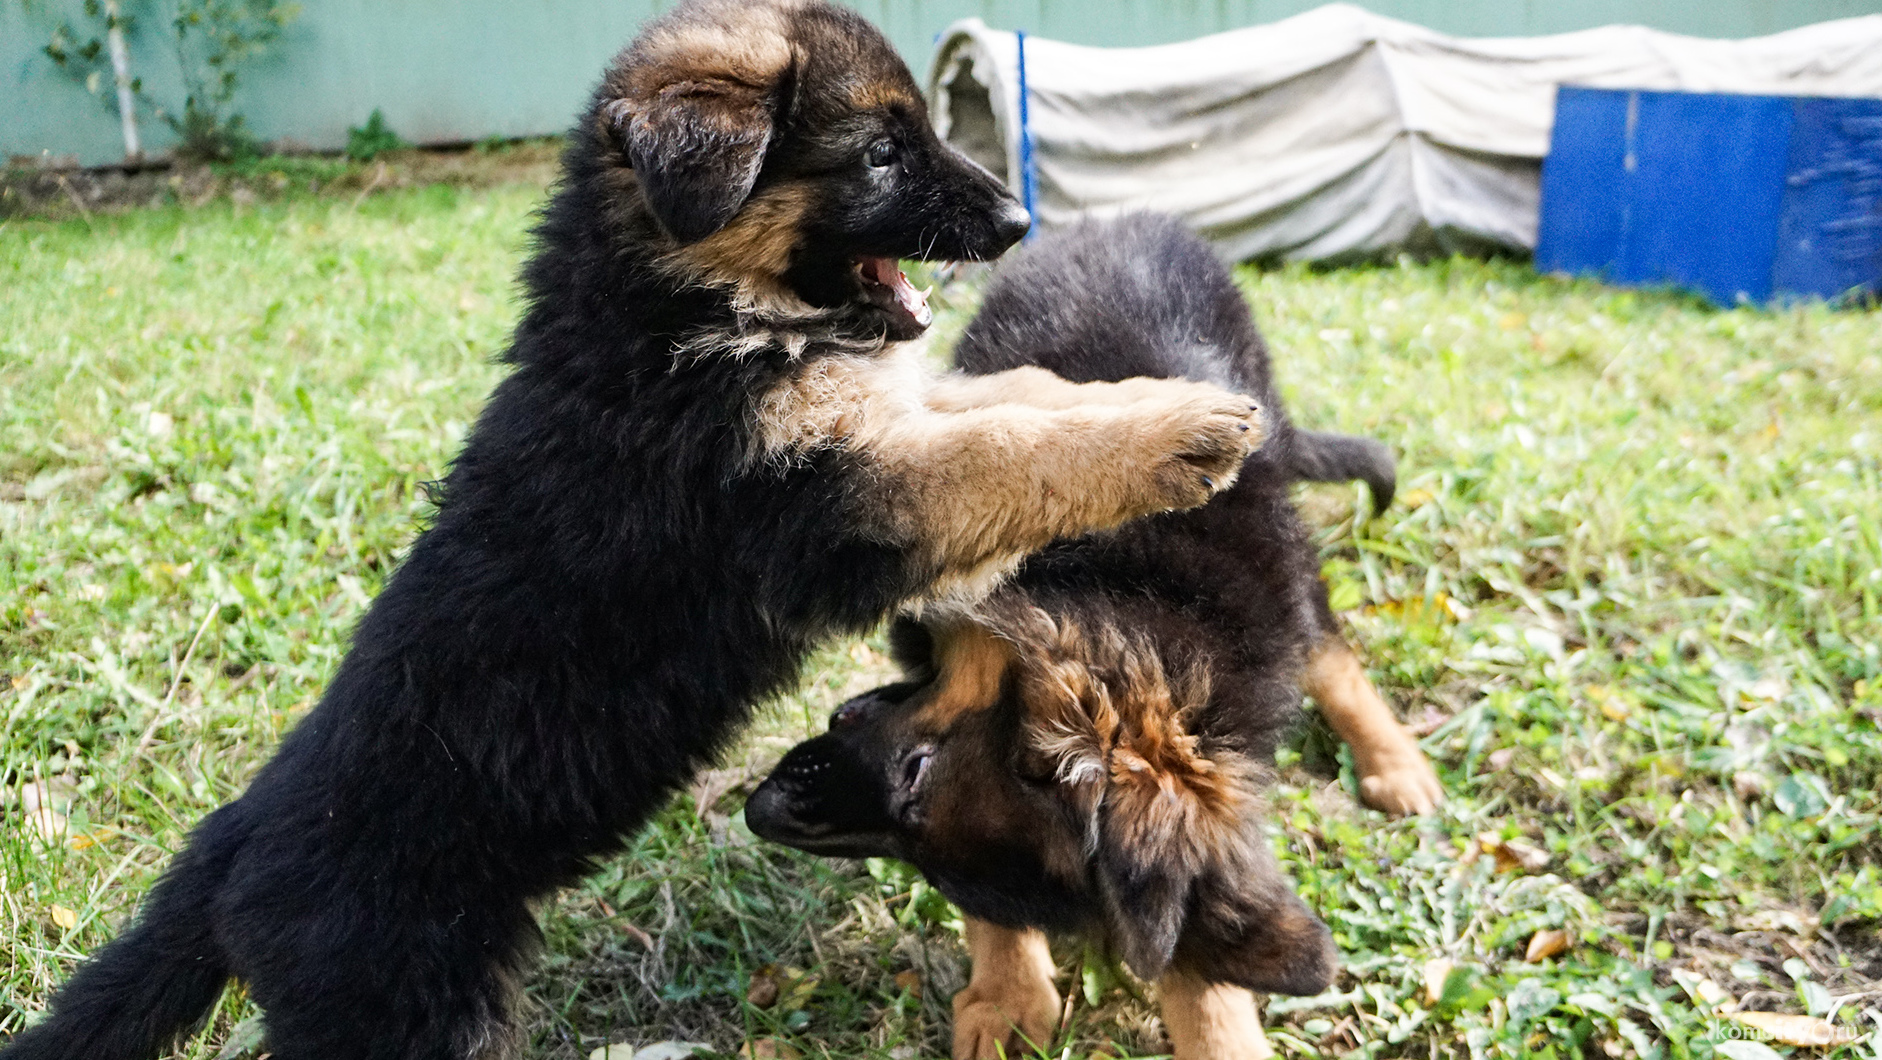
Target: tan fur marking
[
  {"x": 1394, "y": 774},
  {"x": 746, "y": 42},
  {"x": 752, "y": 251},
  {"x": 1211, "y": 1021},
  {"x": 1010, "y": 1001},
  {"x": 974, "y": 490},
  {"x": 972, "y": 662},
  {"x": 1106, "y": 709},
  {"x": 872, "y": 93}
]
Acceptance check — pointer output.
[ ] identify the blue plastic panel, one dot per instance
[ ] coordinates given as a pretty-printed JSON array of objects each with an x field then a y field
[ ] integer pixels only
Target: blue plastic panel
[
  {"x": 1583, "y": 212},
  {"x": 1705, "y": 189},
  {"x": 1738, "y": 197}
]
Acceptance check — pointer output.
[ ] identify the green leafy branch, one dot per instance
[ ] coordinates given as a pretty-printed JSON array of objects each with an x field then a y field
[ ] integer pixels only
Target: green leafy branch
[{"x": 213, "y": 40}]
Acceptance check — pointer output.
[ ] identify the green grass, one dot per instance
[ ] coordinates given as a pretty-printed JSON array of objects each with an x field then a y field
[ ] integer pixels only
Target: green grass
[{"x": 1631, "y": 593}]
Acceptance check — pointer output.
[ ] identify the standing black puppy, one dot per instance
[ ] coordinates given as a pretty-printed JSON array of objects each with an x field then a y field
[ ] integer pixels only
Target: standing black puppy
[{"x": 710, "y": 455}]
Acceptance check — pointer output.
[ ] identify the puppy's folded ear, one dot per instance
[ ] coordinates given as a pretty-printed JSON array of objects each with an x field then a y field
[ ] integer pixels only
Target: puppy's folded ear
[
  {"x": 1198, "y": 892},
  {"x": 696, "y": 147},
  {"x": 911, "y": 646},
  {"x": 1246, "y": 927},
  {"x": 1145, "y": 891}
]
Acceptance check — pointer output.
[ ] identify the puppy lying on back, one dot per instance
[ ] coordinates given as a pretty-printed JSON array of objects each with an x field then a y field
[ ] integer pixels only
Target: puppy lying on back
[{"x": 1085, "y": 749}]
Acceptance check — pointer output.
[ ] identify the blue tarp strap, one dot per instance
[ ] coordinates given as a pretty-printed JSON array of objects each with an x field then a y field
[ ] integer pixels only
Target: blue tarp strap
[{"x": 1028, "y": 180}]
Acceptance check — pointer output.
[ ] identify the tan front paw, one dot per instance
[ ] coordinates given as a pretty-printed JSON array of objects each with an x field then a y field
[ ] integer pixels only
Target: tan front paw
[
  {"x": 1198, "y": 445},
  {"x": 1403, "y": 784},
  {"x": 1012, "y": 1027}
]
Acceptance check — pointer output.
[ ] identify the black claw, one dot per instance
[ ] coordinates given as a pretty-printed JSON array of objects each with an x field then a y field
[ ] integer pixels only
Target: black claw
[
  {"x": 1208, "y": 483},
  {"x": 1243, "y": 426}
]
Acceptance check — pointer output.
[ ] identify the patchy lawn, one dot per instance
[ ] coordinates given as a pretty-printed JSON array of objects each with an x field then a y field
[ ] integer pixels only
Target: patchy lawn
[{"x": 1630, "y": 595}]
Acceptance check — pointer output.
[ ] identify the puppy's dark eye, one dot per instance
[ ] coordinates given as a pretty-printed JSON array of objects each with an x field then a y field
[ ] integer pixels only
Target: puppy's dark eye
[
  {"x": 880, "y": 153},
  {"x": 848, "y": 714},
  {"x": 915, "y": 769}
]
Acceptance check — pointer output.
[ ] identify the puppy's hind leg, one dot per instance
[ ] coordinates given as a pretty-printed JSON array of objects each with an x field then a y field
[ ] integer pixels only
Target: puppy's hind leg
[
  {"x": 1394, "y": 774},
  {"x": 392, "y": 985},
  {"x": 1010, "y": 1007}
]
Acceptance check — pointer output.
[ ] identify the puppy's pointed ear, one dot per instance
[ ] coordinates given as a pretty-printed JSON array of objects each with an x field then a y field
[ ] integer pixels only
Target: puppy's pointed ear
[{"x": 696, "y": 147}]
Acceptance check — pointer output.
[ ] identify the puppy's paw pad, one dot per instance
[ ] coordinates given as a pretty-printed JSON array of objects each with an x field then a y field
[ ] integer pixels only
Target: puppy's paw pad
[
  {"x": 1405, "y": 790},
  {"x": 983, "y": 1031}
]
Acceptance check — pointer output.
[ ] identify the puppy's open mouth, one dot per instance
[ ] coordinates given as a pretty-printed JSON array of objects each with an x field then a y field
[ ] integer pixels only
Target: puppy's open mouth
[{"x": 887, "y": 287}]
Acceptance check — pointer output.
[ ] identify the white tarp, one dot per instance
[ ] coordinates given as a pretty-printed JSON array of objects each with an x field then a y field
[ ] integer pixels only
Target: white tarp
[{"x": 1337, "y": 133}]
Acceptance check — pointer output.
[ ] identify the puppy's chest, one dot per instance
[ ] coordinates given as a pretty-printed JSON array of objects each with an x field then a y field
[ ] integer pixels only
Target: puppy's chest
[{"x": 839, "y": 399}]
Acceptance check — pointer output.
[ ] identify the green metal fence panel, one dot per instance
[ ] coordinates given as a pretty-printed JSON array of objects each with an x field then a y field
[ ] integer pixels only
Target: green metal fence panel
[{"x": 449, "y": 71}]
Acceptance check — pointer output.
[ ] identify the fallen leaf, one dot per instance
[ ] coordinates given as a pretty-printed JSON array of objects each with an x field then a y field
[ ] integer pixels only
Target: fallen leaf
[
  {"x": 1612, "y": 707},
  {"x": 1751, "y": 786},
  {"x": 1437, "y": 971},
  {"x": 1545, "y": 944},
  {"x": 768, "y": 1049},
  {"x": 45, "y": 806},
  {"x": 801, "y": 988},
  {"x": 632, "y": 932},
  {"x": 1711, "y": 994},
  {"x": 1796, "y": 1030},
  {"x": 909, "y": 981},
  {"x": 64, "y": 917},
  {"x": 1513, "y": 855},
  {"x": 765, "y": 988}
]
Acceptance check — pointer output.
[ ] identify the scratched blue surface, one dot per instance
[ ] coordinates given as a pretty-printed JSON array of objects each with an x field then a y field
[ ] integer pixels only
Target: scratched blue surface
[
  {"x": 1830, "y": 233},
  {"x": 1742, "y": 198}
]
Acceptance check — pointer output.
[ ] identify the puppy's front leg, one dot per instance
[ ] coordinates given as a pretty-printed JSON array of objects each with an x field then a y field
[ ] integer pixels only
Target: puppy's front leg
[
  {"x": 1029, "y": 385},
  {"x": 1394, "y": 775},
  {"x": 1211, "y": 1021},
  {"x": 1010, "y": 1003},
  {"x": 977, "y": 490}
]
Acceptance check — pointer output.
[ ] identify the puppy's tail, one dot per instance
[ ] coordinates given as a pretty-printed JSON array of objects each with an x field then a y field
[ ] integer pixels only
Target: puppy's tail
[
  {"x": 138, "y": 994},
  {"x": 1317, "y": 457}
]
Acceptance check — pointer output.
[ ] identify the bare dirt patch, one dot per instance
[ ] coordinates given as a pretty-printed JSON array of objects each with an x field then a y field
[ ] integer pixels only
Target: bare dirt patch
[{"x": 36, "y": 188}]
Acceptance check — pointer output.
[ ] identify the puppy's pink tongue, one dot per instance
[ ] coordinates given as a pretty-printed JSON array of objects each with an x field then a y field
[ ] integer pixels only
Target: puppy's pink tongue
[{"x": 915, "y": 303}]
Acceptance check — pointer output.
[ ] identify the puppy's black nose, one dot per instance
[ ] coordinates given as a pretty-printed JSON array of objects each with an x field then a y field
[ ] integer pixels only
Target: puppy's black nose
[
  {"x": 768, "y": 813},
  {"x": 1011, "y": 222}
]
